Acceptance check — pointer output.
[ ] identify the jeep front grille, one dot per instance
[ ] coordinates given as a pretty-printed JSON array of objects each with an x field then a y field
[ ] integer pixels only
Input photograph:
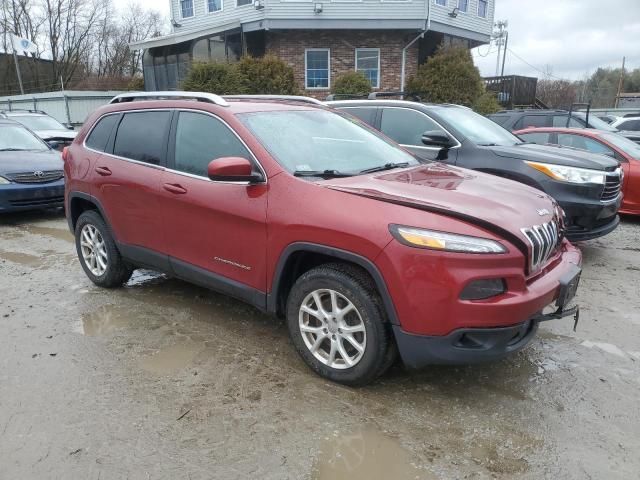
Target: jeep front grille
[
  {"x": 36, "y": 177},
  {"x": 544, "y": 240},
  {"x": 612, "y": 186}
]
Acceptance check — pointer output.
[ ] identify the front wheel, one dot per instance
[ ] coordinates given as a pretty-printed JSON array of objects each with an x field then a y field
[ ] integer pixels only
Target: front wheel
[{"x": 337, "y": 325}]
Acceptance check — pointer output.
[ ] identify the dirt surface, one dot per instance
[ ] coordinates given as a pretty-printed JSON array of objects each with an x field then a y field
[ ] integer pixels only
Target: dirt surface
[{"x": 161, "y": 379}]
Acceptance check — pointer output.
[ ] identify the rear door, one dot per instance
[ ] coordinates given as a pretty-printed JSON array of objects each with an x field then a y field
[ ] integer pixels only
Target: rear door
[{"x": 126, "y": 180}]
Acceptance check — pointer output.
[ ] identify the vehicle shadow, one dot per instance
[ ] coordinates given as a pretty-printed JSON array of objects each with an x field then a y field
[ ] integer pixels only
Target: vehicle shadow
[{"x": 30, "y": 216}]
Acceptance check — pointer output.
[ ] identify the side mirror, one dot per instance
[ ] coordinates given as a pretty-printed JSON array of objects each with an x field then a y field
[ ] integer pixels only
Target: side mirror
[
  {"x": 437, "y": 138},
  {"x": 54, "y": 145},
  {"x": 232, "y": 169}
]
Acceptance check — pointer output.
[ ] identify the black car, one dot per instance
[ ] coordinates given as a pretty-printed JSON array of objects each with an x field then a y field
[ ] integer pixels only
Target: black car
[
  {"x": 31, "y": 172},
  {"x": 587, "y": 186},
  {"x": 535, "y": 118}
]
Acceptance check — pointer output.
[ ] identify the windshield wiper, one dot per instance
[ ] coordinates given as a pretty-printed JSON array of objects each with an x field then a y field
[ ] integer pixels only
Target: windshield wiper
[
  {"x": 386, "y": 166},
  {"x": 321, "y": 173}
]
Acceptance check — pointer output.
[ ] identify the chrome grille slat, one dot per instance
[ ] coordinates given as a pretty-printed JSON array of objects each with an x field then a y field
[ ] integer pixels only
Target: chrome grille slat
[
  {"x": 612, "y": 186},
  {"x": 544, "y": 241},
  {"x": 36, "y": 177}
]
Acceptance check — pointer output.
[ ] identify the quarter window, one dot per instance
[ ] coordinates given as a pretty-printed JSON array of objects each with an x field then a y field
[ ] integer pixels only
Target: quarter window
[
  {"x": 367, "y": 115},
  {"x": 532, "y": 121},
  {"x": 317, "y": 68},
  {"x": 214, "y": 5},
  {"x": 202, "y": 138},
  {"x": 584, "y": 143},
  {"x": 561, "y": 121},
  {"x": 539, "y": 138},
  {"x": 99, "y": 136},
  {"x": 406, "y": 126},
  {"x": 482, "y": 8},
  {"x": 368, "y": 63},
  {"x": 463, "y": 5},
  {"x": 186, "y": 8},
  {"x": 142, "y": 136}
]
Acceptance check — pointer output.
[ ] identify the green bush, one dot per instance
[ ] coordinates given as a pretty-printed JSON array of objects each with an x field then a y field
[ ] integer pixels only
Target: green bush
[
  {"x": 267, "y": 76},
  {"x": 449, "y": 76},
  {"x": 136, "y": 84},
  {"x": 351, "y": 83},
  {"x": 213, "y": 77},
  {"x": 486, "y": 104}
]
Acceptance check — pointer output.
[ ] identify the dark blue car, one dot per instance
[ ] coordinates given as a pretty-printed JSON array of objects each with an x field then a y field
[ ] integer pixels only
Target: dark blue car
[{"x": 31, "y": 172}]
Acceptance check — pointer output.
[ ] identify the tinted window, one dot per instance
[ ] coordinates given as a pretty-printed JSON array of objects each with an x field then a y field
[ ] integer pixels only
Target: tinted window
[
  {"x": 406, "y": 126},
  {"x": 499, "y": 119},
  {"x": 201, "y": 138},
  {"x": 141, "y": 136},
  {"x": 630, "y": 125},
  {"x": 583, "y": 143},
  {"x": 367, "y": 115},
  {"x": 533, "y": 121},
  {"x": 99, "y": 136},
  {"x": 561, "y": 121},
  {"x": 539, "y": 138}
]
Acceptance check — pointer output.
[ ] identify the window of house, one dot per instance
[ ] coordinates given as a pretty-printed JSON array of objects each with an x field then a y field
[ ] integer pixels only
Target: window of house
[
  {"x": 317, "y": 68},
  {"x": 201, "y": 138},
  {"x": 99, "y": 136},
  {"x": 240, "y": 3},
  {"x": 442, "y": 3},
  {"x": 186, "y": 8},
  {"x": 406, "y": 126},
  {"x": 368, "y": 63},
  {"x": 142, "y": 136},
  {"x": 463, "y": 5},
  {"x": 214, "y": 5},
  {"x": 482, "y": 8}
]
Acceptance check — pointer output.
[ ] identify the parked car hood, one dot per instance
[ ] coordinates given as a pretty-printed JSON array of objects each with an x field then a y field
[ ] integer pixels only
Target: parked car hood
[
  {"x": 501, "y": 205},
  {"x": 19, "y": 162},
  {"x": 556, "y": 155},
  {"x": 56, "y": 134}
]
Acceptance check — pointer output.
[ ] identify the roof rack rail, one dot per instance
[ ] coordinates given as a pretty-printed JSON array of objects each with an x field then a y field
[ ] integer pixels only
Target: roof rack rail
[
  {"x": 345, "y": 96},
  {"x": 293, "y": 98},
  {"x": 23, "y": 110},
  {"x": 198, "y": 96},
  {"x": 404, "y": 95}
]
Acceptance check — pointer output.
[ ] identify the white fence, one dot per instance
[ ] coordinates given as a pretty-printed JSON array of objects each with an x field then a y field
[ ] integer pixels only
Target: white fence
[{"x": 70, "y": 107}]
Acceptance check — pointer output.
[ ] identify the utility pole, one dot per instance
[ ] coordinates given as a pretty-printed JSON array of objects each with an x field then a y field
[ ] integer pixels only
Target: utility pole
[
  {"x": 15, "y": 58},
  {"x": 504, "y": 54},
  {"x": 620, "y": 83},
  {"x": 499, "y": 35}
]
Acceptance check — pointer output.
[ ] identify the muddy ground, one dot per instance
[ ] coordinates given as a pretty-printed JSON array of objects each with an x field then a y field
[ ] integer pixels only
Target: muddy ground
[{"x": 163, "y": 380}]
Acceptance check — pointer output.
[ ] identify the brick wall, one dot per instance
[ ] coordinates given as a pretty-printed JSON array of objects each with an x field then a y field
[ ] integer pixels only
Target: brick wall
[{"x": 290, "y": 46}]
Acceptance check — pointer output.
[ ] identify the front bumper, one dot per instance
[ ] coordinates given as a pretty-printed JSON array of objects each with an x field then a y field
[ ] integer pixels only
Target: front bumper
[{"x": 31, "y": 196}]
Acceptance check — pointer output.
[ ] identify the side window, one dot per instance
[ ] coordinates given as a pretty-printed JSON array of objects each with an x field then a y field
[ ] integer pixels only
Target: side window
[
  {"x": 141, "y": 136},
  {"x": 561, "y": 121},
  {"x": 499, "y": 119},
  {"x": 539, "y": 138},
  {"x": 366, "y": 114},
  {"x": 584, "y": 143},
  {"x": 99, "y": 136},
  {"x": 201, "y": 138},
  {"x": 533, "y": 121},
  {"x": 633, "y": 125},
  {"x": 406, "y": 126}
]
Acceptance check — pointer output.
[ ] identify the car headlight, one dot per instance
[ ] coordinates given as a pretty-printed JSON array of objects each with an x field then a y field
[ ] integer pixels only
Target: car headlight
[
  {"x": 4, "y": 181},
  {"x": 569, "y": 174},
  {"x": 450, "y": 242}
]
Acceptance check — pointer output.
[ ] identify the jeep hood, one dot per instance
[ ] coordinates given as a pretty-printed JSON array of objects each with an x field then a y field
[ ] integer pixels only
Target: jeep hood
[
  {"x": 501, "y": 205},
  {"x": 556, "y": 155}
]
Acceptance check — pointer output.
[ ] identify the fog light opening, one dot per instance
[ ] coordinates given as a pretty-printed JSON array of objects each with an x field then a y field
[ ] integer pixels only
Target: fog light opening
[{"x": 483, "y": 289}]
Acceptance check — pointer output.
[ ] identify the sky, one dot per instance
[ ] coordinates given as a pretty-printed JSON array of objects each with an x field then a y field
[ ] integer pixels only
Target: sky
[{"x": 571, "y": 37}]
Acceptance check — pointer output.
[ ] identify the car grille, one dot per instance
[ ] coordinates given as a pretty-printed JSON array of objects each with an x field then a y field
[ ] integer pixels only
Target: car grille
[
  {"x": 544, "y": 240},
  {"x": 36, "y": 177},
  {"x": 38, "y": 202},
  {"x": 612, "y": 186}
]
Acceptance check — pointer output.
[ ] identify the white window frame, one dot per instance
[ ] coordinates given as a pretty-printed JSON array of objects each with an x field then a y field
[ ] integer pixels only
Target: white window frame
[
  {"x": 436, "y": 2},
  {"x": 206, "y": 7},
  {"x": 467, "y": 3},
  {"x": 193, "y": 8},
  {"x": 377, "y": 85},
  {"x": 486, "y": 11},
  {"x": 306, "y": 84}
]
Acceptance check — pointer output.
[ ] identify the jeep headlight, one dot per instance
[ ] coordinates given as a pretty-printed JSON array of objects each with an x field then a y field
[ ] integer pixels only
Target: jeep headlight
[
  {"x": 449, "y": 242},
  {"x": 569, "y": 174}
]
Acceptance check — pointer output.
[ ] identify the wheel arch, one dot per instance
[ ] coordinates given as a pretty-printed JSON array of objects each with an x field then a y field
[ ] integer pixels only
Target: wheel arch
[
  {"x": 299, "y": 257},
  {"x": 80, "y": 202}
]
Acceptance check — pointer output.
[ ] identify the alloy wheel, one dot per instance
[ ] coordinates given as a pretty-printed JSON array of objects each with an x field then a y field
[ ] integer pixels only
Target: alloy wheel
[{"x": 94, "y": 250}]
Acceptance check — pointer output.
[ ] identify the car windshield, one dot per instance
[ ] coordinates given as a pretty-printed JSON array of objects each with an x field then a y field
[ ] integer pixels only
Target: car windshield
[
  {"x": 627, "y": 146},
  {"x": 38, "y": 122},
  {"x": 322, "y": 141},
  {"x": 478, "y": 129},
  {"x": 595, "y": 122},
  {"x": 16, "y": 138}
]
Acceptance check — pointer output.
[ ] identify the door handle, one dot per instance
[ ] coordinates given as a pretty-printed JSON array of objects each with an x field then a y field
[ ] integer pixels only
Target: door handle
[
  {"x": 104, "y": 171},
  {"x": 175, "y": 188}
]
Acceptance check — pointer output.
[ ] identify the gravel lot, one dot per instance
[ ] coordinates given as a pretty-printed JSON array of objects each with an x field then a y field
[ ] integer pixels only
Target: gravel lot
[{"x": 161, "y": 379}]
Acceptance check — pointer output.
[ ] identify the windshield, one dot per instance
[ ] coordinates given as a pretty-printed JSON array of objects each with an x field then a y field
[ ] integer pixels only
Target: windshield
[
  {"x": 627, "y": 146},
  {"x": 319, "y": 140},
  {"x": 38, "y": 122},
  {"x": 15, "y": 138},
  {"x": 595, "y": 122},
  {"x": 478, "y": 129}
]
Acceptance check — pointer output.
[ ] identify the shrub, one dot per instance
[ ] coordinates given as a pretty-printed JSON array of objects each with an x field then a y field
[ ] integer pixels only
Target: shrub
[
  {"x": 136, "y": 84},
  {"x": 486, "y": 104},
  {"x": 351, "y": 83},
  {"x": 213, "y": 77},
  {"x": 267, "y": 76}
]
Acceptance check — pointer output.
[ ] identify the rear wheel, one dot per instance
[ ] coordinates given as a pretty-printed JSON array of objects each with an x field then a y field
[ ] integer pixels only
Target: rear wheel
[
  {"x": 97, "y": 251},
  {"x": 337, "y": 325}
]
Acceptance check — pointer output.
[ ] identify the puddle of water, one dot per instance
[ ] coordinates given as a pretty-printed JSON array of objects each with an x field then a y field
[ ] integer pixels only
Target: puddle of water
[
  {"x": 365, "y": 454},
  {"x": 59, "y": 233},
  {"x": 20, "y": 258},
  {"x": 104, "y": 320},
  {"x": 172, "y": 359}
]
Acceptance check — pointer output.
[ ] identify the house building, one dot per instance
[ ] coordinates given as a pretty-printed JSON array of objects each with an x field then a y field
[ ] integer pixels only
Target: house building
[{"x": 386, "y": 40}]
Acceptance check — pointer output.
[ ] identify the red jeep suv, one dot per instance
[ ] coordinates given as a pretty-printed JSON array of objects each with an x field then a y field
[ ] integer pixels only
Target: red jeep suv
[{"x": 309, "y": 214}]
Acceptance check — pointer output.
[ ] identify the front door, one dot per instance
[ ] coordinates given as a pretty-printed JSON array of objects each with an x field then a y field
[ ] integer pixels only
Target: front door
[{"x": 215, "y": 231}]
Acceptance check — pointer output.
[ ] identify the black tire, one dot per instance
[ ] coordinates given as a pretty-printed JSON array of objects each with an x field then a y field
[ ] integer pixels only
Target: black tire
[
  {"x": 117, "y": 271},
  {"x": 380, "y": 350}
]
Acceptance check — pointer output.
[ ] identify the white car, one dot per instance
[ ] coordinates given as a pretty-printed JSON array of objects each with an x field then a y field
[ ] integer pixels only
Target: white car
[{"x": 628, "y": 124}]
